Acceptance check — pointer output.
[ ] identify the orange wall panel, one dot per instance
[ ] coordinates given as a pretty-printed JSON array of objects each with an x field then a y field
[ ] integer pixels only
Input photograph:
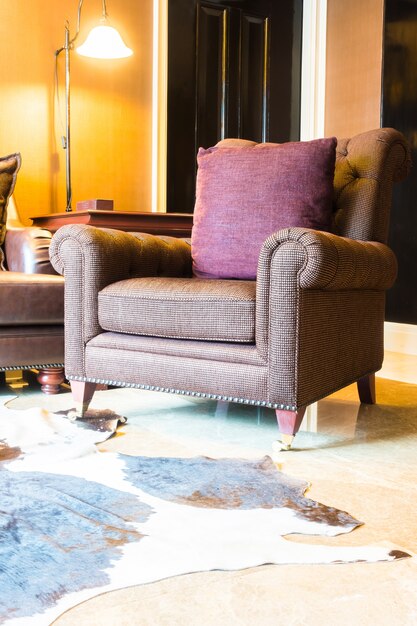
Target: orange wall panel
[
  {"x": 111, "y": 105},
  {"x": 353, "y": 66}
]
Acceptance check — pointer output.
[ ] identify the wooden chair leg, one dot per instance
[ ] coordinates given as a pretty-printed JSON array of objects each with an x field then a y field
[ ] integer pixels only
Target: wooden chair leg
[
  {"x": 366, "y": 389},
  {"x": 51, "y": 379},
  {"x": 289, "y": 423},
  {"x": 82, "y": 394},
  {"x": 222, "y": 408}
]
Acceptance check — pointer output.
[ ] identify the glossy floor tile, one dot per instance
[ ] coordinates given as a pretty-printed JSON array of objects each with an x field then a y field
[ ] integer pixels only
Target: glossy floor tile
[{"x": 357, "y": 458}]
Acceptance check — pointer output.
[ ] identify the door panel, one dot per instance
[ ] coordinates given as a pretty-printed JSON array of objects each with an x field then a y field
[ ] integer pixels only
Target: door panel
[
  {"x": 212, "y": 73},
  {"x": 234, "y": 70},
  {"x": 254, "y": 79}
]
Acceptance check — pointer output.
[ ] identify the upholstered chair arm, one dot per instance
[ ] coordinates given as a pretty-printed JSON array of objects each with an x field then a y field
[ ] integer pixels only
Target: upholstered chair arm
[
  {"x": 92, "y": 258},
  {"x": 319, "y": 297},
  {"x": 331, "y": 262},
  {"x": 114, "y": 255},
  {"x": 27, "y": 250}
]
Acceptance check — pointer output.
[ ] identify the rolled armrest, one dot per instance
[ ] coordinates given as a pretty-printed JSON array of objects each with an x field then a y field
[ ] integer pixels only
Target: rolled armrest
[
  {"x": 331, "y": 262},
  {"x": 114, "y": 255},
  {"x": 27, "y": 250}
]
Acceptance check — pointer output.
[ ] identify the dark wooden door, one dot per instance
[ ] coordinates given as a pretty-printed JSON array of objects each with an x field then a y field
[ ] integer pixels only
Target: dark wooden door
[
  {"x": 234, "y": 70},
  {"x": 399, "y": 109}
]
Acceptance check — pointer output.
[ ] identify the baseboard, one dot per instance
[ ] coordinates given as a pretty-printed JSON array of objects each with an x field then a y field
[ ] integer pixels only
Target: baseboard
[{"x": 400, "y": 338}]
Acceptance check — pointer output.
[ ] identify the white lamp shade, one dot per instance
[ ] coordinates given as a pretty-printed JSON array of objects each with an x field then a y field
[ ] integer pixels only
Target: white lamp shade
[{"x": 104, "y": 42}]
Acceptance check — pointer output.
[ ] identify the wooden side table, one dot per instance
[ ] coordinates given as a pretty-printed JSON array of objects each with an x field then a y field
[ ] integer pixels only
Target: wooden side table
[{"x": 174, "y": 224}]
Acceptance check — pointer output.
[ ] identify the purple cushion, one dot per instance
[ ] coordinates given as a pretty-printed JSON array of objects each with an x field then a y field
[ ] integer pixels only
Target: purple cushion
[{"x": 244, "y": 194}]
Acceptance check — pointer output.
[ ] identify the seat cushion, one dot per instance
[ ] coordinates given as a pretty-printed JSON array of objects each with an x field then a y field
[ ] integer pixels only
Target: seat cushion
[
  {"x": 246, "y": 193},
  {"x": 31, "y": 299},
  {"x": 182, "y": 308}
]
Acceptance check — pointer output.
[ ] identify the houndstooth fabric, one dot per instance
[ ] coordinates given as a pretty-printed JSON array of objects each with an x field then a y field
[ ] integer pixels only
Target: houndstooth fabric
[
  {"x": 181, "y": 308},
  {"x": 319, "y": 303}
]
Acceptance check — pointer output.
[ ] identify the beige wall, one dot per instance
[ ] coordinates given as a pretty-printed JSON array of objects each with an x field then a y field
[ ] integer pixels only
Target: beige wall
[
  {"x": 353, "y": 66},
  {"x": 110, "y": 106}
]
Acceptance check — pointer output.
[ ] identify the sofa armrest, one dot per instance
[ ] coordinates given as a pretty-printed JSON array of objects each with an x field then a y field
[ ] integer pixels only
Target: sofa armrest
[
  {"x": 27, "y": 250},
  {"x": 92, "y": 258},
  {"x": 331, "y": 262}
]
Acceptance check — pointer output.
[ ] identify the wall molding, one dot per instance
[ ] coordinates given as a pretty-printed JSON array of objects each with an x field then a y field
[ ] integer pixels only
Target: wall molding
[
  {"x": 400, "y": 338},
  {"x": 313, "y": 69},
  {"x": 159, "y": 104}
]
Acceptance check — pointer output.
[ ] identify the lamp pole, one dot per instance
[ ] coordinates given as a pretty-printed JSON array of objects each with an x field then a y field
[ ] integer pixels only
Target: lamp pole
[
  {"x": 111, "y": 40},
  {"x": 67, "y": 138},
  {"x": 66, "y": 141}
]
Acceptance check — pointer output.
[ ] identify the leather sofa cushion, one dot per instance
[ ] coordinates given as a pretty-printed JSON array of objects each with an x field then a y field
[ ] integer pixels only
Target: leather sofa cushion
[
  {"x": 182, "y": 308},
  {"x": 27, "y": 250},
  {"x": 31, "y": 299}
]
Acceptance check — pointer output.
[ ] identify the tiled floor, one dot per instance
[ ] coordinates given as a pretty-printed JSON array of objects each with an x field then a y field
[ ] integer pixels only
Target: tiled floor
[{"x": 358, "y": 458}]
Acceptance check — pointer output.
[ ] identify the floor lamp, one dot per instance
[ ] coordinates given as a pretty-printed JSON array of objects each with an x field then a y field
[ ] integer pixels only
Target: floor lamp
[{"x": 103, "y": 42}]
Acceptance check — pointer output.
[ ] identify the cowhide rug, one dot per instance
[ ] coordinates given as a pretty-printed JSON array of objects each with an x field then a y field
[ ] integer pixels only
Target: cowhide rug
[{"x": 76, "y": 522}]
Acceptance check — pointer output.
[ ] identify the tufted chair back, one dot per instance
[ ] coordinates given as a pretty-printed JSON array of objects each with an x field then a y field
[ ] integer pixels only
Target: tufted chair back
[{"x": 364, "y": 175}]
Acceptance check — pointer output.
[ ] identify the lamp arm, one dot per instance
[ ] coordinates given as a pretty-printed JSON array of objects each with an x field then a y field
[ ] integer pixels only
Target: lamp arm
[
  {"x": 70, "y": 43},
  {"x": 77, "y": 32}
]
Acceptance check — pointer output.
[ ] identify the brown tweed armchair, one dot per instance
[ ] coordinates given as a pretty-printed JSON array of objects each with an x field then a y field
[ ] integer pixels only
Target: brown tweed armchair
[{"x": 310, "y": 324}]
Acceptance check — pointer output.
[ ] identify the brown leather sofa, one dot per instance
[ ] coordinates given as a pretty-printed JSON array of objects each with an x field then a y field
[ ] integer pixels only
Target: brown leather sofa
[{"x": 31, "y": 308}]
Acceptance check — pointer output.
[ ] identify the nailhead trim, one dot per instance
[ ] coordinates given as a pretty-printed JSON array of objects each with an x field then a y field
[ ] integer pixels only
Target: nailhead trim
[
  {"x": 29, "y": 367},
  {"x": 197, "y": 394}
]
